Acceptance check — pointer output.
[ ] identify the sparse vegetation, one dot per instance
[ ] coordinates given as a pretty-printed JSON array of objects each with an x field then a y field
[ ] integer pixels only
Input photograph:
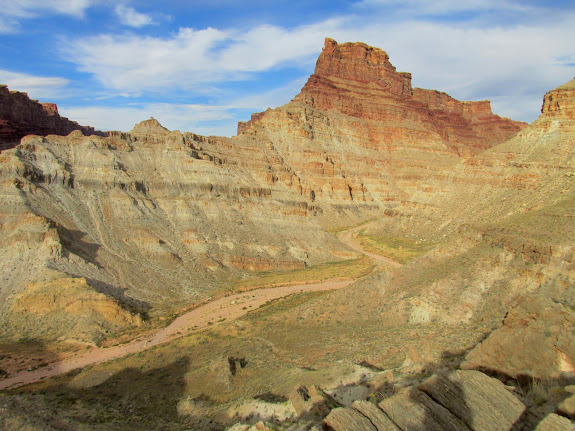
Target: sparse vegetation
[
  {"x": 355, "y": 268},
  {"x": 399, "y": 249}
]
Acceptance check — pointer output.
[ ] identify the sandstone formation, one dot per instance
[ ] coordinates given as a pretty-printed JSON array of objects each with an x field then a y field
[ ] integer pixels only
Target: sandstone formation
[
  {"x": 73, "y": 308},
  {"x": 153, "y": 219},
  {"x": 20, "y": 116},
  {"x": 376, "y": 416},
  {"x": 482, "y": 403},
  {"x": 555, "y": 422},
  {"x": 567, "y": 407},
  {"x": 359, "y": 135},
  {"x": 560, "y": 102},
  {"x": 503, "y": 228}
]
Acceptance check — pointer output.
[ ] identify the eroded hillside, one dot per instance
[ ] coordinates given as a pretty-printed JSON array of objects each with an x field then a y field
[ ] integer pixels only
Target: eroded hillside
[
  {"x": 473, "y": 210},
  {"x": 156, "y": 219}
]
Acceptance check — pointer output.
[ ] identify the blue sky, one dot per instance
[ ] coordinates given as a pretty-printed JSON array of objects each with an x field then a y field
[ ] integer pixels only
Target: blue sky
[{"x": 203, "y": 65}]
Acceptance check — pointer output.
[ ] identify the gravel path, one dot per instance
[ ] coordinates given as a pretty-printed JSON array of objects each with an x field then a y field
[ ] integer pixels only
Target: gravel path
[{"x": 348, "y": 237}]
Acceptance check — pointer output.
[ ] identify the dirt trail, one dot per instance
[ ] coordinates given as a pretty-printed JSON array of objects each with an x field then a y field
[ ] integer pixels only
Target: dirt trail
[
  {"x": 212, "y": 313},
  {"x": 348, "y": 237}
]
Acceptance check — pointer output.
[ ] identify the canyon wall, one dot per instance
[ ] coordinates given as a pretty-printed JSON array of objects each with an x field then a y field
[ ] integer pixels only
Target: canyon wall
[
  {"x": 155, "y": 219},
  {"x": 21, "y": 116}
]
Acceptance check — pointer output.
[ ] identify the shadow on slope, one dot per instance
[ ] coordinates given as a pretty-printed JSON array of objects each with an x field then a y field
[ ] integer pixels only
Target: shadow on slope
[{"x": 129, "y": 399}]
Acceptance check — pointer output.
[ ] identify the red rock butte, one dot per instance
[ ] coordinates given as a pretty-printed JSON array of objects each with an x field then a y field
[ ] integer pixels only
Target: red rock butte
[{"x": 359, "y": 81}]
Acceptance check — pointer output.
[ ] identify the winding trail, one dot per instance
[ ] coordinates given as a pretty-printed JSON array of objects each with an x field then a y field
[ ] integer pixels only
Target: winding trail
[
  {"x": 208, "y": 314},
  {"x": 348, "y": 237}
]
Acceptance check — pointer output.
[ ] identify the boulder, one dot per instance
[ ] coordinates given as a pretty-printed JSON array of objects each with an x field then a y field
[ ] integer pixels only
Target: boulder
[
  {"x": 536, "y": 339},
  {"x": 379, "y": 419},
  {"x": 567, "y": 407},
  {"x": 343, "y": 419},
  {"x": 308, "y": 401},
  {"x": 480, "y": 401},
  {"x": 414, "y": 410},
  {"x": 553, "y": 422}
]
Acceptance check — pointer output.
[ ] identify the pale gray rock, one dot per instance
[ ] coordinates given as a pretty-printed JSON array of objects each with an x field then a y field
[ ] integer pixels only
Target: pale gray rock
[
  {"x": 381, "y": 421},
  {"x": 414, "y": 410},
  {"x": 342, "y": 419},
  {"x": 480, "y": 401}
]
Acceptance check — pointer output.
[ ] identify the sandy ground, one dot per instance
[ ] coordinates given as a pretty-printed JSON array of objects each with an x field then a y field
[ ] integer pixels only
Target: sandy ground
[{"x": 212, "y": 313}]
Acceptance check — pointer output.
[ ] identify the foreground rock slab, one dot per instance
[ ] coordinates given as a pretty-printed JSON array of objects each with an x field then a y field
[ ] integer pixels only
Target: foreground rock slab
[
  {"x": 535, "y": 339},
  {"x": 461, "y": 400},
  {"x": 481, "y": 402},
  {"x": 381, "y": 421},
  {"x": 414, "y": 410},
  {"x": 347, "y": 419},
  {"x": 555, "y": 422}
]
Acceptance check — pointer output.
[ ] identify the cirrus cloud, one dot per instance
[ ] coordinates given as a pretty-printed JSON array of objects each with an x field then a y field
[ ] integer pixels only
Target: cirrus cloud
[
  {"x": 13, "y": 12},
  {"x": 36, "y": 86}
]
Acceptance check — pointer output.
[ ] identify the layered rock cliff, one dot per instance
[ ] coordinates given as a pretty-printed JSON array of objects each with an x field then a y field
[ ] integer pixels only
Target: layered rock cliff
[
  {"x": 21, "y": 116},
  {"x": 96, "y": 230},
  {"x": 502, "y": 232},
  {"x": 149, "y": 218},
  {"x": 156, "y": 219},
  {"x": 359, "y": 134}
]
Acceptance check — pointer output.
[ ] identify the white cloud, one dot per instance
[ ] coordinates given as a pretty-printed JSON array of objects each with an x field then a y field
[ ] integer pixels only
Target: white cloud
[
  {"x": 470, "y": 62},
  {"x": 441, "y": 7},
  {"x": 191, "y": 58},
  {"x": 37, "y": 87},
  {"x": 183, "y": 117},
  {"x": 131, "y": 17},
  {"x": 13, "y": 11}
]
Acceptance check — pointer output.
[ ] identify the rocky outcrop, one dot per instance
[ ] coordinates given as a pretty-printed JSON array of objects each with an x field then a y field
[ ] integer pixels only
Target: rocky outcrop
[
  {"x": 461, "y": 400},
  {"x": 74, "y": 309},
  {"x": 560, "y": 102},
  {"x": 414, "y": 410},
  {"x": 149, "y": 130},
  {"x": 20, "y": 116},
  {"x": 535, "y": 340},
  {"x": 347, "y": 419},
  {"x": 553, "y": 422},
  {"x": 376, "y": 416},
  {"x": 359, "y": 81},
  {"x": 481, "y": 402},
  {"x": 355, "y": 113}
]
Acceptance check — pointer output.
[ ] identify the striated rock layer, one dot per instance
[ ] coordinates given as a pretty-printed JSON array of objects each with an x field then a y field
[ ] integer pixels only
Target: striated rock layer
[
  {"x": 21, "y": 116},
  {"x": 149, "y": 218},
  {"x": 359, "y": 134}
]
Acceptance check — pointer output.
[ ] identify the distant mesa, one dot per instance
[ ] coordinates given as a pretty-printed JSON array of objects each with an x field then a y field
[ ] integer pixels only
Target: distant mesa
[
  {"x": 560, "y": 102},
  {"x": 151, "y": 127},
  {"x": 21, "y": 116}
]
